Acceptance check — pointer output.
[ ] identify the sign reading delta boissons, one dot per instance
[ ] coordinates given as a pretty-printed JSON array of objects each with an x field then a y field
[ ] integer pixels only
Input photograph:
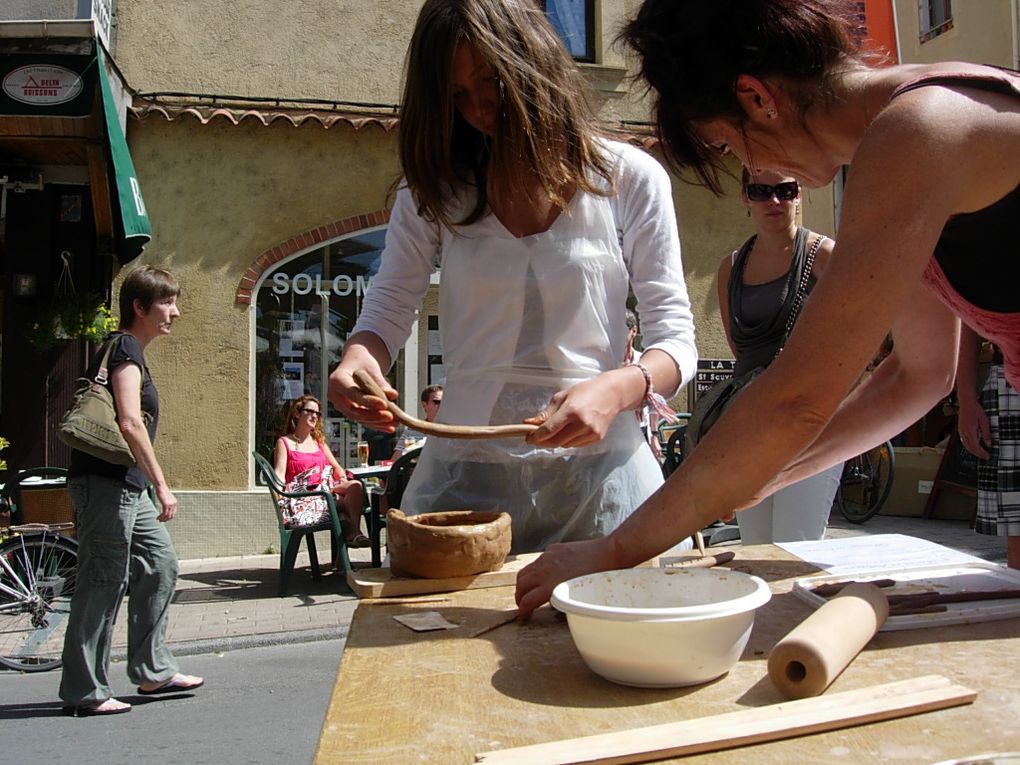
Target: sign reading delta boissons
[{"x": 42, "y": 85}]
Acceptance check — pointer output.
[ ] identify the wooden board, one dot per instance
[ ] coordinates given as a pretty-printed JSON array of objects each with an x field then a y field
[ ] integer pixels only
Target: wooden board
[
  {"x": 752, "y": 726},
  {"x": 381, "y": 583}
]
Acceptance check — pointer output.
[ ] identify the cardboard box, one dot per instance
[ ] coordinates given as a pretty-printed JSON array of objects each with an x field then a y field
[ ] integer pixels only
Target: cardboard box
[
  {"x": 914, "y": 475},
  {"x": 954, "y": 506}
]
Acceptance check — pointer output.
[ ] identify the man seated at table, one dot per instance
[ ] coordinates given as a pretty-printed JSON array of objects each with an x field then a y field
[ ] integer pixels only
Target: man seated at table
[{"x": 408, "y": 438}]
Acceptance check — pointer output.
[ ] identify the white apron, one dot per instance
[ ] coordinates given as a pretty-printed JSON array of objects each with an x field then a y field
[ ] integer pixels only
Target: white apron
[{"x": 520, "y": 320}]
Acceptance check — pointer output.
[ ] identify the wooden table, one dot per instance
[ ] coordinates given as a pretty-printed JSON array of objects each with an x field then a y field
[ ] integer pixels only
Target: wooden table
[{"x": 438, "y": 697}]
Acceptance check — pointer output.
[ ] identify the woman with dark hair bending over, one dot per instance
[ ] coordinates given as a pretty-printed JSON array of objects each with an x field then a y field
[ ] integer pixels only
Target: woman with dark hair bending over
[
  {"x": 121, "y": 535},
  {"x": 540, "y": 224},
  {"x": 927, "y": 236},
  {"x": 758, "y": 287}
]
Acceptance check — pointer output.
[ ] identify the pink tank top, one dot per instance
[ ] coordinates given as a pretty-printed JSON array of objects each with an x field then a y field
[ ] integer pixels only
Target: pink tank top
[{"x": 298, "y": 462}]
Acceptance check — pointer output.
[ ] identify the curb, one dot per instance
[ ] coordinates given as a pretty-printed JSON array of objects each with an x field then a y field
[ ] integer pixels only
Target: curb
[{"x": 239, "y": 642}]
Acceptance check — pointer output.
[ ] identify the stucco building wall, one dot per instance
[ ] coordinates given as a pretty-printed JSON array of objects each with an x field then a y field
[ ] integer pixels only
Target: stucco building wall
[
  {"x": 219, "y": 195},
  {"x": 982, "y": 32}
]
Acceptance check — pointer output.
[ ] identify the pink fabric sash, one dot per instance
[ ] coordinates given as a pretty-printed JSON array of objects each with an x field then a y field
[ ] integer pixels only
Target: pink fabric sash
[{"x": 1003, "y": 329}]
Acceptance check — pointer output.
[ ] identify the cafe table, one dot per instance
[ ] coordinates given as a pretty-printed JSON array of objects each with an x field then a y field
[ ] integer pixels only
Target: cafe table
[
  {"x": 362, "y": 473},
  {"x": 442, "y": 697},
  {"x": 369, "y": 471}
]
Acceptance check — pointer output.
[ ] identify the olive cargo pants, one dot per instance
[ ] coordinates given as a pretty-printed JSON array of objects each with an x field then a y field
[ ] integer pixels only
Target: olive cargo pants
[{"x": 121, "y": 542}]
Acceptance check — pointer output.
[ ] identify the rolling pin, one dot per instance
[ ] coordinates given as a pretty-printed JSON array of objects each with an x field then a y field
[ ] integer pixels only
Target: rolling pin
[{"x": 805, "y": 662}]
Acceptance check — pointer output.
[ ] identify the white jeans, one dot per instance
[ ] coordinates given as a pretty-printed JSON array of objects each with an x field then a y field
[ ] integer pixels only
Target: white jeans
[{"x": 798, "y": 512}]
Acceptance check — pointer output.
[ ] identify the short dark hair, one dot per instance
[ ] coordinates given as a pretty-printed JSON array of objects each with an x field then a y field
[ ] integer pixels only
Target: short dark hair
[
  {"x": 146, "y": 284},
  {"x": 426, "y": 393},
  {"x": 691, "y": 51}
]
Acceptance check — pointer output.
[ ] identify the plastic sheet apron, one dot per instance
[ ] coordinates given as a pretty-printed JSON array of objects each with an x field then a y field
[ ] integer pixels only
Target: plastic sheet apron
[{"x": 522, "y": 319}]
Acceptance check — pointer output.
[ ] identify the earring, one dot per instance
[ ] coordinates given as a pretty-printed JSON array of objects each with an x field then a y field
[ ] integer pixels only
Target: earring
[{"x": 770, "y": 112}]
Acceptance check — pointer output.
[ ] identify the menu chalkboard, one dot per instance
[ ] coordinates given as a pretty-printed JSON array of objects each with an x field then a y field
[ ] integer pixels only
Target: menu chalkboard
[{"x": 710, "y": 372}]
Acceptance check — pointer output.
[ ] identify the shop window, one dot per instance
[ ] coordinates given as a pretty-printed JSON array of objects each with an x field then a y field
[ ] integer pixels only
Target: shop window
[
  {"x": 304, "y": 310},
  {"x": 574, "y": 20},
  {"x": 936, "y": 17}
]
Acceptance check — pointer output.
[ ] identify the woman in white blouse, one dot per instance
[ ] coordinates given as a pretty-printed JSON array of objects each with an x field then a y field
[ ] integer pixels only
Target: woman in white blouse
[{"x": 540, "y": 226}]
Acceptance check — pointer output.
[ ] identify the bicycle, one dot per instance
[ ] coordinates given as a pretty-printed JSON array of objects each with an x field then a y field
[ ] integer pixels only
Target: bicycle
[
  {"x": 38, "y": 568},
  {"x": 866, "y": 482}
]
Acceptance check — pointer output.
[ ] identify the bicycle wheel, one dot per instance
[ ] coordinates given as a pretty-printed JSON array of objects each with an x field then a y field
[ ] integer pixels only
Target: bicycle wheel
[
  {"x": 37, "y": 579},
  {"x": 866, "y": 483}
]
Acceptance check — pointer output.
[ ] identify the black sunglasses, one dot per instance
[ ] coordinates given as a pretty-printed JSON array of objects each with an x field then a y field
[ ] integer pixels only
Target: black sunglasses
[
  {"x": 316, "y": 412},
  {"x": 763, "y": 192}
]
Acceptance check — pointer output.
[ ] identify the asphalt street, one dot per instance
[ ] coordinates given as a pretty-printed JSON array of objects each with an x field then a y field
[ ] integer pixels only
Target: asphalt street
[{"x": 259, "y": 705}]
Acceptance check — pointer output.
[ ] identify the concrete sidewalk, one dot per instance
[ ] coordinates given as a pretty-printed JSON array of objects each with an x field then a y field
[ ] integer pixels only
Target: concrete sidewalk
[{"x": 228, "y": 603}]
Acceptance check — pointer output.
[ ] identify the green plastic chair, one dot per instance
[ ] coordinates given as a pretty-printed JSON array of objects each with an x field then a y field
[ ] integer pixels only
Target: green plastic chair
[
  {"x": 290, "y": 538},
  {"x": 396, "y": 482}
]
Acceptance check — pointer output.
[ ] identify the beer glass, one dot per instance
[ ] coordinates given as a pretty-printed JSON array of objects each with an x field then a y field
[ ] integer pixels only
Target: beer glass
[{"x": 362, "y": 453}]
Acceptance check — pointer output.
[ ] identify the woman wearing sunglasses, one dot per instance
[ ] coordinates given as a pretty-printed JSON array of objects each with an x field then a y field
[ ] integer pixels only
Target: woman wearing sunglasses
[
  {"x": 758, "y": 297},
  {"x": 928, "y": 235},
  {"x": 303, "y": 460}
]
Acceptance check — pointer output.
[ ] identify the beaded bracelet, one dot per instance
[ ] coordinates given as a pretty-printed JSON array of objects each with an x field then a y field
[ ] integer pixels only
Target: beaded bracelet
[{"x": 653, "y": 399}]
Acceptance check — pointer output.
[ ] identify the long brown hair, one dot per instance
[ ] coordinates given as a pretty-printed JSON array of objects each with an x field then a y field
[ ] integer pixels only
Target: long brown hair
[
  {"x": 295, "y": 412},
  {"x": 544, "y": 120},
  {"x": 691, "y": 51}
]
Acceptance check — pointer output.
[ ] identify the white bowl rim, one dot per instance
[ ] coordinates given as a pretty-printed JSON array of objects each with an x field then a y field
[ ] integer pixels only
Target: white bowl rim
[{"x": 754, "y": 599}]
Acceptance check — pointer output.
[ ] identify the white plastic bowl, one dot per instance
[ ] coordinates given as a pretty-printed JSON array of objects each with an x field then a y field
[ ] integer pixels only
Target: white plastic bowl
[{"x": 660, "y": 628}]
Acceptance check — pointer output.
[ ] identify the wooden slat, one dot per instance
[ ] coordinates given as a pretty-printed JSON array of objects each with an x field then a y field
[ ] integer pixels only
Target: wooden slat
[
  {"x": 101, "y": 200},
  {"x": 752, "y": 726},
  {"x": 380, "y": 582}
]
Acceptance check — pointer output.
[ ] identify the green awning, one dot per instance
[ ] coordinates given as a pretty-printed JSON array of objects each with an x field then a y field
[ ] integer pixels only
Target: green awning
[{"x": 130, "y": 218}]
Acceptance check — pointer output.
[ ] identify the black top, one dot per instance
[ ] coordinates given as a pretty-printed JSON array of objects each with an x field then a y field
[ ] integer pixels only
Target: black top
[
  {"x": 126, "y": 350},
  {"x": 978, "y": 251},
  {"x": 978, "y": 254}
]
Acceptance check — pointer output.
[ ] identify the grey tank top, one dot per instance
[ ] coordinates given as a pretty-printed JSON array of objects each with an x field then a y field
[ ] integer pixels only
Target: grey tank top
[
  {"x": 759, "y": 304},
  {"x": 759, "y": 312}
]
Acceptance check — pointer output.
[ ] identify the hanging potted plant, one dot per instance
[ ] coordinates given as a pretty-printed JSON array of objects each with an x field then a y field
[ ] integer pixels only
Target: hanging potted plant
[{"x": 71, "y": 314}]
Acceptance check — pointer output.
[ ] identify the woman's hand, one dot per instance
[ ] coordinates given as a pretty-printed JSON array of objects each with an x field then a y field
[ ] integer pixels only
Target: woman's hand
[
  {"x": 344, "y": 393},
  {"x": 560, "y": 562},
  {"x": 975, "y": 431},
  {"x": 581, "y": 414},
  {"x": 168, "y": 502}
]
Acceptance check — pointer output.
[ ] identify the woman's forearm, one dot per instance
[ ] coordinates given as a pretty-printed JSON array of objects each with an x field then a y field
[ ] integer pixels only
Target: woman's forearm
[
  {"x": 138, "y": 441},
  {"x": 967, "y": 368}
]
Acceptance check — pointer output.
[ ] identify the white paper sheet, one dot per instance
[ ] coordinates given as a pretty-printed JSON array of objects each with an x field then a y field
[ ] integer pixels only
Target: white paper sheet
[{"x": 878, "y": 552}]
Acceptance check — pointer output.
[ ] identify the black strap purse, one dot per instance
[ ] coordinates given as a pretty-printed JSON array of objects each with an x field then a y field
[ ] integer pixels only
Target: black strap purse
[{"x": 710, "y": 405}]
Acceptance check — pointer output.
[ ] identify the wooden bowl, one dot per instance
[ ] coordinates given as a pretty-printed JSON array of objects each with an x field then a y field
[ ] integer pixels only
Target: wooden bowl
[{"x": 448, "y": 544}]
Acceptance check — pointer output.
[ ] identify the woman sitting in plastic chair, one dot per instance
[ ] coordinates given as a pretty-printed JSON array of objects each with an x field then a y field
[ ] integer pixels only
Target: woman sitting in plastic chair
[{"x": 303, "y": 460}]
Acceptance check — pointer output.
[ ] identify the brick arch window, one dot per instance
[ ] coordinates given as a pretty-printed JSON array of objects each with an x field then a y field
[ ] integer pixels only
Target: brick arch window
[{"x": 306, "y": 295}]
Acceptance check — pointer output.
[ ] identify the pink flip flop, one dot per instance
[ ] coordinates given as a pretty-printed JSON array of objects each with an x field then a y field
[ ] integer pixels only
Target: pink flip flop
[{"x": 175, "y": 684}]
